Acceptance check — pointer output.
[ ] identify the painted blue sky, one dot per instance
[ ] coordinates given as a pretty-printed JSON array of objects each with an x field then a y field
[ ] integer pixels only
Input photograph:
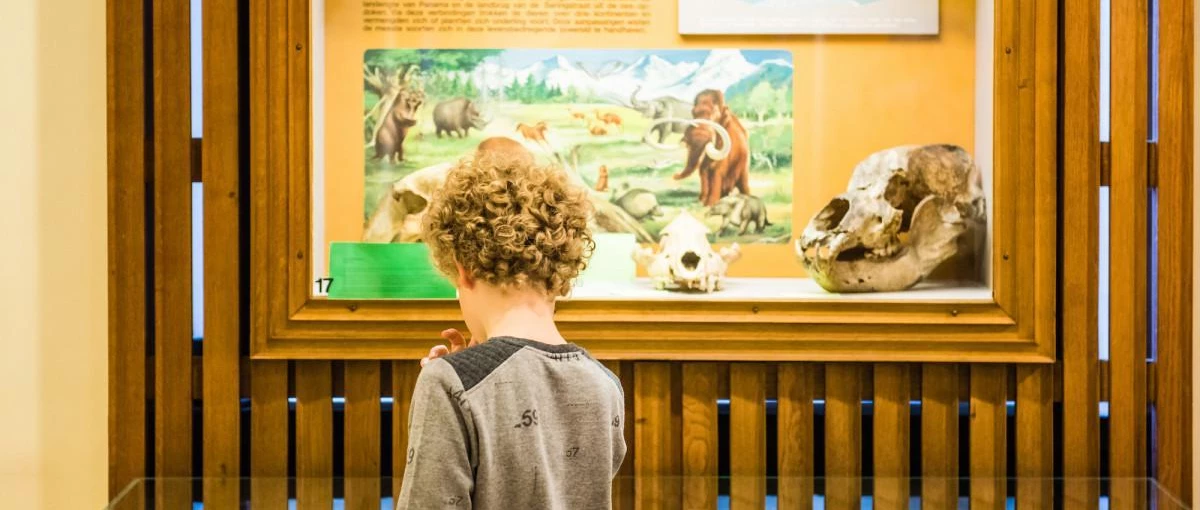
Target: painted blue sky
[{"x": 518, "y": 58}]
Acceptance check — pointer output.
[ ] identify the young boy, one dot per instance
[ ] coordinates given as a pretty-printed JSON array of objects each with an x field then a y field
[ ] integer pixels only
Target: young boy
[{"x": 522, "y": 419}]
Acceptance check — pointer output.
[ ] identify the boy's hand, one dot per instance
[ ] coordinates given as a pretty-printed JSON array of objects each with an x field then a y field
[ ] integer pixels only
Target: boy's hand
[{"x": 457, "y": 343}]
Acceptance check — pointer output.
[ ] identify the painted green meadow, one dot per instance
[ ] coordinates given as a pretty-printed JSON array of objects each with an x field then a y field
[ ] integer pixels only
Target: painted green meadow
[{"x": 631, "y": 164}]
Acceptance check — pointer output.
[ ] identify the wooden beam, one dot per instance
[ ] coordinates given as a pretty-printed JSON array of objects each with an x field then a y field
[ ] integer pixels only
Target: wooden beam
[
  {"x": 314, "y": 435},
  {"x": 1173, "y": 401},
  {"x": 1035, "y": 436},
  {"x": 172, "y": 248},
  {"x": 1130, "y": 244},
  {"x": 1080, "y": 134},
  {"x": 748, "y": 446},
  {"x": 361, "y": 434},
  {"x": 797, "y": 387},
  {"x": 939, "y": 435},
  {"x": 127, "y": 168},
  {"x": 988, "y": 438},
  {"x": 222, "y": 253},
  {"x": 700, "y": 435},
  {"x": 843, "y": 435},
  {"x": 268, "y": 434},
  {"x": 893, "y": 417},
  {"x": 657, "y": 464},
  {"x": 404, "y": 379}
]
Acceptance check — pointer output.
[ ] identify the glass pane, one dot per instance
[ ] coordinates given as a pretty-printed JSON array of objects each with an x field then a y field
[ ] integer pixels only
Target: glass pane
[{"x": 613, "y": 95}]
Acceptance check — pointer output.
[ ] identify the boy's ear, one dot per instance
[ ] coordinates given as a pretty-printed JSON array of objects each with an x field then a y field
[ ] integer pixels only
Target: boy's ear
[{"x": 464, "y": 278}]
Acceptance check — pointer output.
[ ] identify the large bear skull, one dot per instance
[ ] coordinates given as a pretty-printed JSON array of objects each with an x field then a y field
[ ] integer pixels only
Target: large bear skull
[{"x": 902, "y": 215}]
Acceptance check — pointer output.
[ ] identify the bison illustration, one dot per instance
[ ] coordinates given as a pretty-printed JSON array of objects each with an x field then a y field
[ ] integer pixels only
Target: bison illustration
[{"x": 457, "y": 116}]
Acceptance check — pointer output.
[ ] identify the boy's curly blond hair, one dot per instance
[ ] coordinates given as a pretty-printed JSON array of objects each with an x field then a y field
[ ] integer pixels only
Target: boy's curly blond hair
[{"x": 510, "y": 223}]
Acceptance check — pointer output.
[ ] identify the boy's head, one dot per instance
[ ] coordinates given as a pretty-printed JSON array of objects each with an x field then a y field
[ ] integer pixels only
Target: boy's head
[{"x": 502, "y": 222}]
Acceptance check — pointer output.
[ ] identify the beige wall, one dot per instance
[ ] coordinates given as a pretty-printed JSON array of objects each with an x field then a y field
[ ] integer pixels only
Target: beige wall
[{"x": 53, "y": 297}]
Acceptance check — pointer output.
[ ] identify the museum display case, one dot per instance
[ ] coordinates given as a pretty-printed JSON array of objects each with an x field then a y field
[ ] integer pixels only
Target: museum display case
[{"x": 867, "y": 183}]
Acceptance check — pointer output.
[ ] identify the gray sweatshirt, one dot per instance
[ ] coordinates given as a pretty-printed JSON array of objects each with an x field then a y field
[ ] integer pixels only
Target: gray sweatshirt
[{"x": 514, "y": 423}]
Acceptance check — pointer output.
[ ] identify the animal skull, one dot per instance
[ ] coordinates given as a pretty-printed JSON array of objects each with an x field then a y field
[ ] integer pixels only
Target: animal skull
[
  {"x": 685, "y": 258},
  {"x": 398, "y": 215},
  {"x": 903, "y": 214}
]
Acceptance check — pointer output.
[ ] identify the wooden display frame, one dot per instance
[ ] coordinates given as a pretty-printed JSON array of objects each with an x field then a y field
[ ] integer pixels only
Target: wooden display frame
[{"x": 1017, "y": 326}]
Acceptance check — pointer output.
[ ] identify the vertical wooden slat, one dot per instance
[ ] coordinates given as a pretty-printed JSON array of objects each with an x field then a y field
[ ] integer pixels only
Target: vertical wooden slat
[
  {"x": 843, "y": 435},
  {"x": 404, "y": 379},
  {"x": 126, "y": 244},
  {"x": 797, "y": 386},
  {"x": 268, "y": 434},
  {"x": 1127, "y": 294},
  {"x": 1080, "y": 230},
  {"x": 656, "y": 465},
  {"x": 748, "y": 445},
  {"x": 893, "y": 418},
  {"x": 222, "y": 275},
  {"x": 1035, "y": 436},
  {"x": 623, "y": 486},
  {"x": 700, "y": 435},
  {"x": 988, "y": 444},
  {"x": 939, "y": 436},
  {"x": 1175, "y": 237},
  {"x": 172, "y": 248},
  {"x": 314, "y": 435},
  {"x": 361, "y": 434}
]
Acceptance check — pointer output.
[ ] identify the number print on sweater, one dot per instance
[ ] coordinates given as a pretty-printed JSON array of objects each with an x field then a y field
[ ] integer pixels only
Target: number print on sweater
[
  {"x": 572, "y": 452},
  {"x": 528, "y": 419}
]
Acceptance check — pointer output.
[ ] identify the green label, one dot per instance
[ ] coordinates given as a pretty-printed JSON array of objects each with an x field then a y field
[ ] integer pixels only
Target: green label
[{"x": 385, "y": 271}]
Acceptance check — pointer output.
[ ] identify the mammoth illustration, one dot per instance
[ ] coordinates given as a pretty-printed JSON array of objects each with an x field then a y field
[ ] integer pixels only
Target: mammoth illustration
[
  {"x": 394, "y": 125},
  {"x": 660, "y": 109},
  {"x": 718, "y": 146},
  {"x": 457, "y": 117}
]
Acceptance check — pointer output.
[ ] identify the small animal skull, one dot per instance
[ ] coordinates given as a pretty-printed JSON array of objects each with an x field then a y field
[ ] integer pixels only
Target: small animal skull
[
  {"x": 685, "y": 258},
  {"x": 903, "y": 214}
]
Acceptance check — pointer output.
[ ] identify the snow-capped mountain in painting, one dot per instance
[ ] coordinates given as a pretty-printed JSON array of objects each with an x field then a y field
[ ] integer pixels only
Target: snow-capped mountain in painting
[{"x": 649, "y": 74}]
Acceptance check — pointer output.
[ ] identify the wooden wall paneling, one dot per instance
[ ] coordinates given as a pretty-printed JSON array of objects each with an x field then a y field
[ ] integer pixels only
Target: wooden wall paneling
[
  {"x": 314, "y": 435},
  {"x": 748, "y": 446},
  {"x": 222, "y": 275},
  {"x": 404, "y": 379},
  {"x": 1035, "y": 436},
  {"x": 1175, "y": 213},
  {"x": 893, "y": 417},
  {"x": 268, "y": 434},
  {"x": 657, "y": 462},
  {"x": 843, "y": 435},
  {"x": 172, "y": 250},
  {"x": 623, "y": 486},
  {"x": 939, "y": 436},
  {"x": 1127, "y": 294},
  {"x": 987, "y": 435},
  {"x": 126, "y": 244},
  {"x": 1080, "y": 231},
  {"x": 361, "y": 434},
  {"x": 699, "y": 435},
  {"x": 797, "y": 388}
]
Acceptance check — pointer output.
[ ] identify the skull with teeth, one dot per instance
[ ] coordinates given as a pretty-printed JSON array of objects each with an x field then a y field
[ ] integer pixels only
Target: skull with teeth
[
  {"x": 685, "y": 258},
  {"x": 905, "y": 211}
]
